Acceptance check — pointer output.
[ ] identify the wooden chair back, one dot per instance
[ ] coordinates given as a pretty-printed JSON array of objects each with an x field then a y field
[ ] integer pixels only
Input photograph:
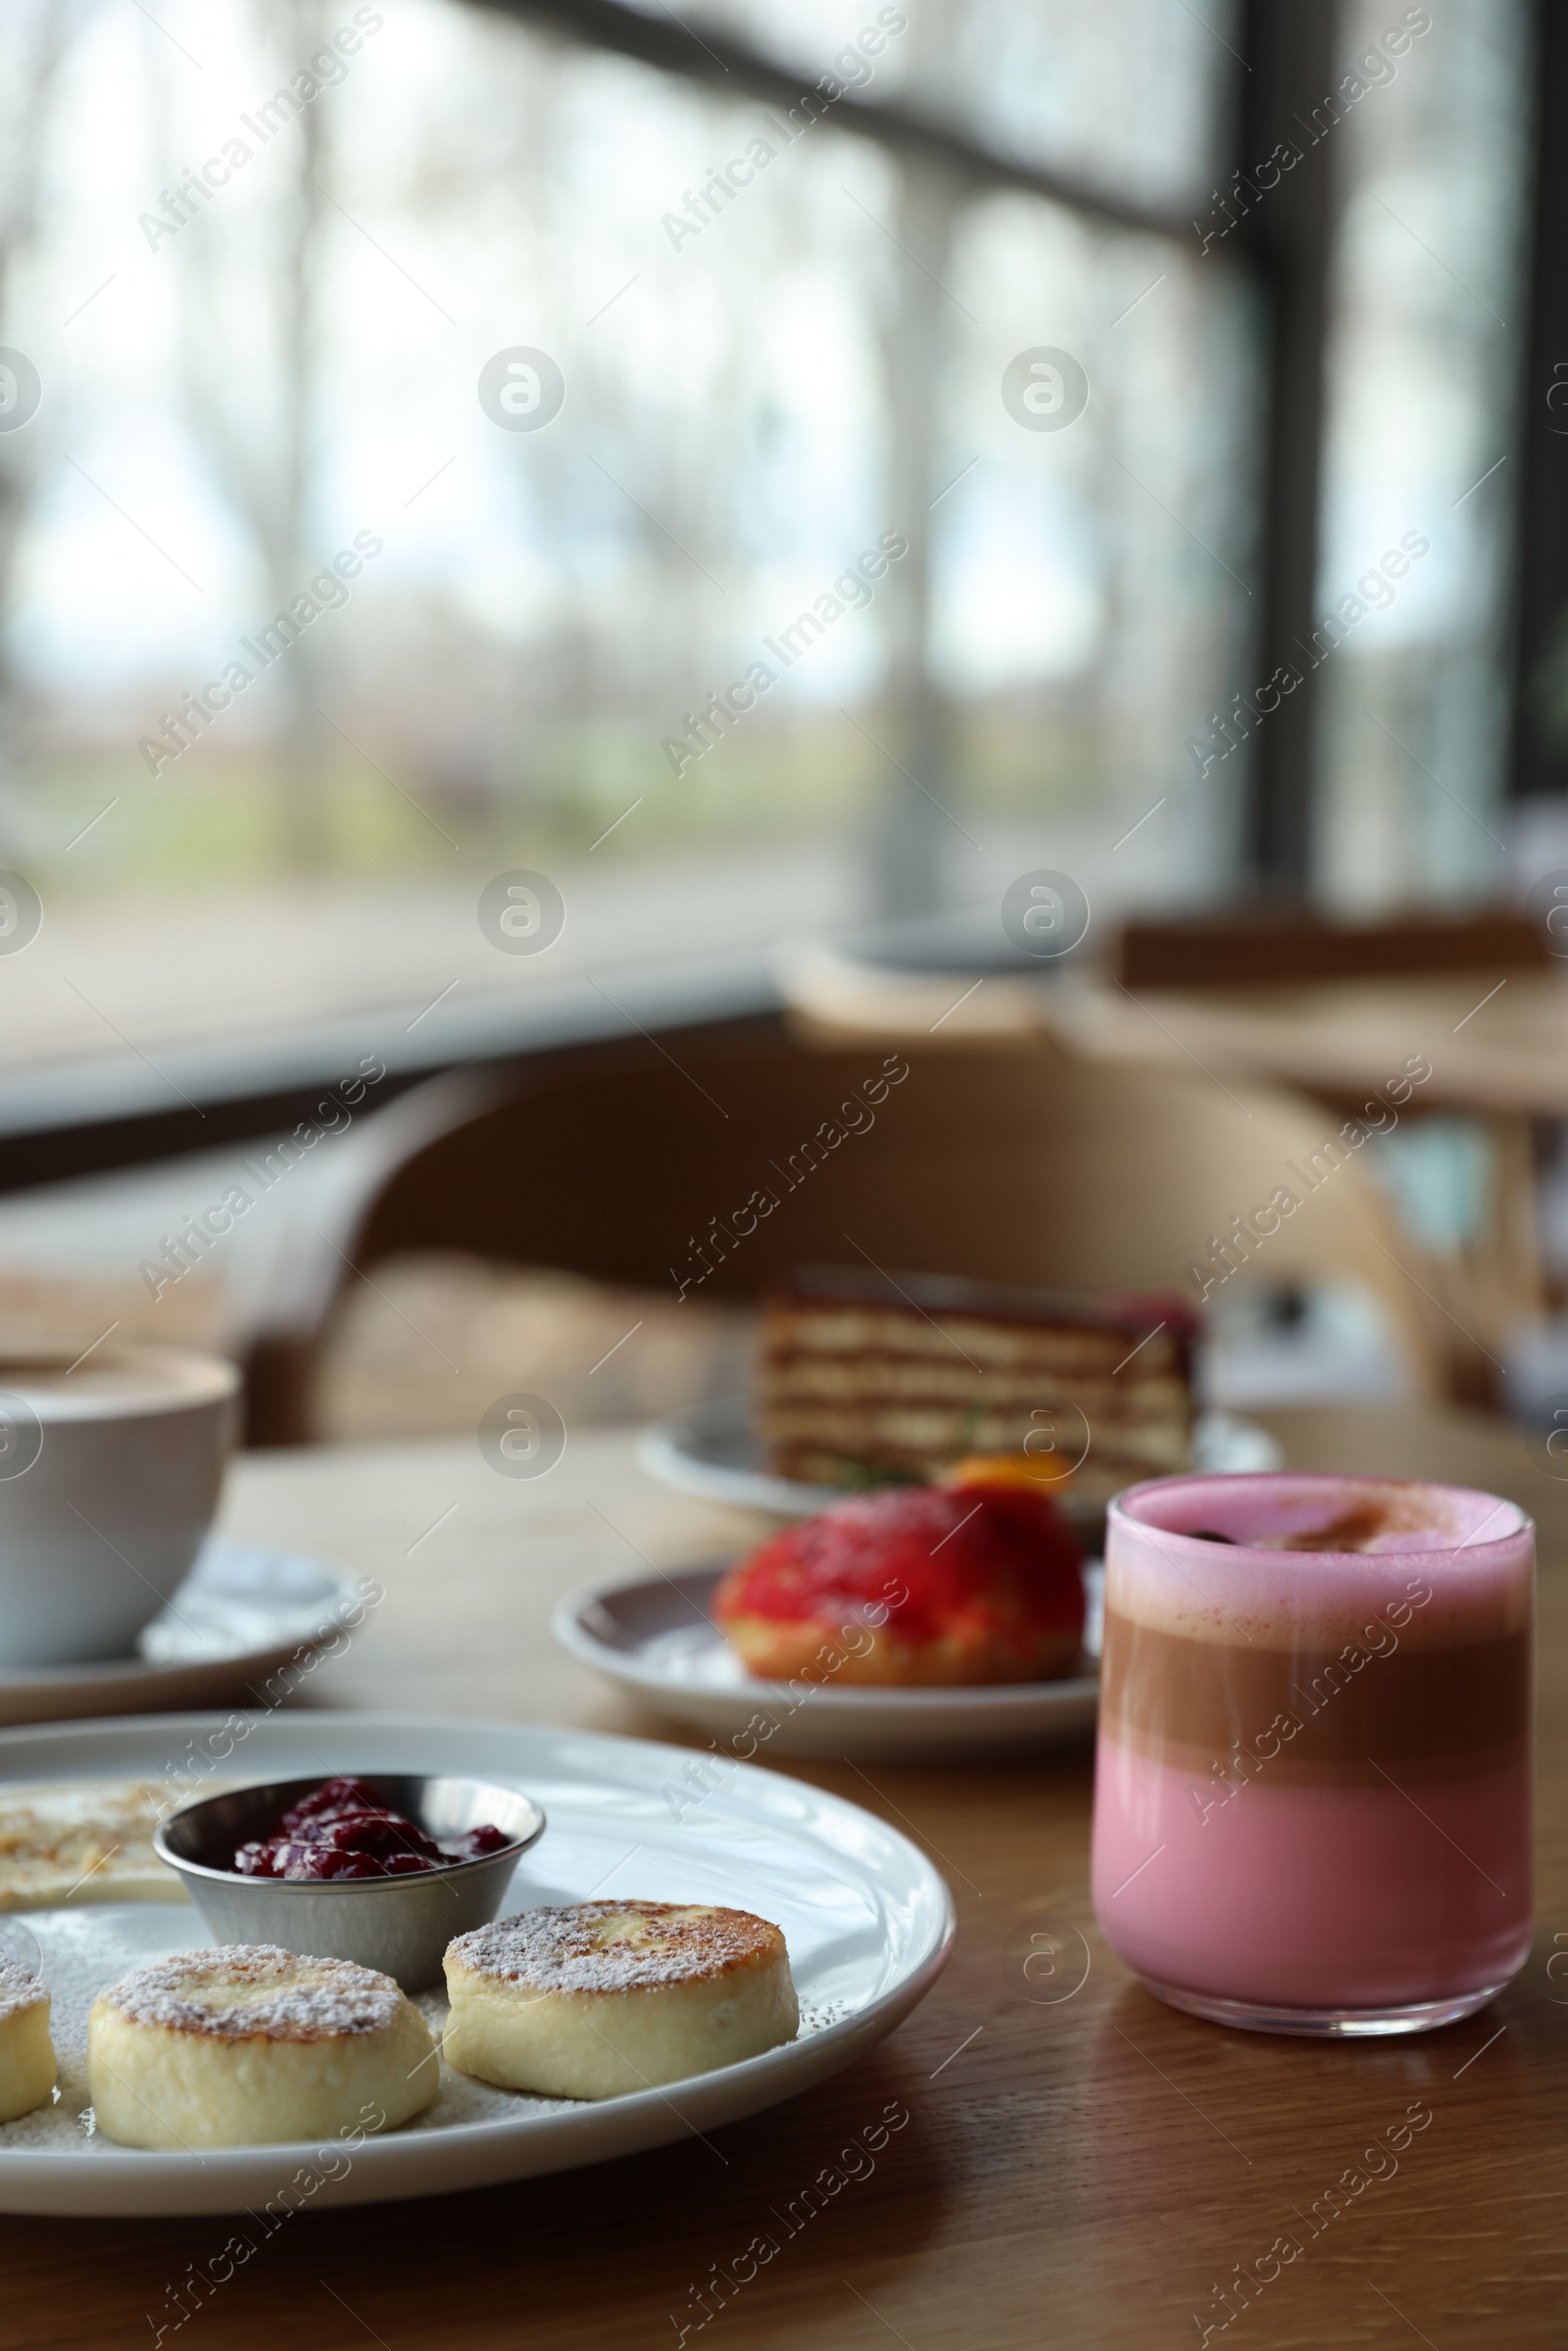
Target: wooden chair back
[{"x": 717, "y": 1161}]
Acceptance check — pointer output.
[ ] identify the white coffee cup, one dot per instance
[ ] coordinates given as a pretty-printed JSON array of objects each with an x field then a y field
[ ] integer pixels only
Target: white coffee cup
[{"x": 110, "y": 1472}]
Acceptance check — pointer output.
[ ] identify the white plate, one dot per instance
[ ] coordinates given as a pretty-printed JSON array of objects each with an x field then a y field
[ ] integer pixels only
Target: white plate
[
  {"x": 714, "y": 1451},
  {"x": 867, "y": 1917},
  {"x": 241, "y": 1612},
  {"x": 656, "y": 1634}
]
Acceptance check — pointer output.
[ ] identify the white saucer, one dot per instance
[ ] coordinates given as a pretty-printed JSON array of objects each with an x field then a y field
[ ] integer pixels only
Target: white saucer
[
  {"x": 655, "y": 1635},
  {"x": 868, "y": 1920},
  {"x": 713, "y": 1450},
  {"x": 242, "y": 1612}
]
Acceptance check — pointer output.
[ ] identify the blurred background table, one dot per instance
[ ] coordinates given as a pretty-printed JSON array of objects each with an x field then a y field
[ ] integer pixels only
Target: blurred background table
[
  {"x": 1083, "y": 2172},
  {"x": 1497, "y": 1042}
]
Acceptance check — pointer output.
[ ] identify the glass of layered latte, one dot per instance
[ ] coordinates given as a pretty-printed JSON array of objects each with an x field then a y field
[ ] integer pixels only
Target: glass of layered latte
[{"x": 1312, "y": 1798}]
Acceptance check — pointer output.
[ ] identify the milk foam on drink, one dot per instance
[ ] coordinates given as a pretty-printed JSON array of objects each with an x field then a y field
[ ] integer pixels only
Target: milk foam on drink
[{"x": 1313, "y": 1783}]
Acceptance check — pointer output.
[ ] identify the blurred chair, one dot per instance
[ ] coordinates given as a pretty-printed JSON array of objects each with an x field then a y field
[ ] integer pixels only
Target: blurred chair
[
  {"x": 1493, "y": 1282},
  {"x": 426, "y": 1343},
  {"x": 1480, "y": 1290},
  {"x": 278, "y": 1325},
  {"x": 700, "y": 1168}
]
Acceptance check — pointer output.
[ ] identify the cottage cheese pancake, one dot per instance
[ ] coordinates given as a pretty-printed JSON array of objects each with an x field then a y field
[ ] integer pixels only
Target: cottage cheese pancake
[
  {"x": 601, "y": 1999},
  {"x": 244, "y": 2045},
  {"x": 83, "y": 1841},
  {"x": 27, "y": 2053}
]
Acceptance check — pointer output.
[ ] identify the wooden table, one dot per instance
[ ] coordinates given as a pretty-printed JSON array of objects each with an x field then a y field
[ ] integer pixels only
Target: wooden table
[{"x": 1081, "y": 2174}]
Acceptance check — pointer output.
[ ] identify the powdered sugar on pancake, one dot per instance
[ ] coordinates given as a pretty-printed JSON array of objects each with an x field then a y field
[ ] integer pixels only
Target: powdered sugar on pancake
[
  {"x": 20, "y": 1988},
  {"x": 614, "y": 1946},
  {"x": 239, "y": 1992}
]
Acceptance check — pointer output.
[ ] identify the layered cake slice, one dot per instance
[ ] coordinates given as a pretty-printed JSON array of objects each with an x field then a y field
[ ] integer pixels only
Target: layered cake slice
[{"x": 865, "y": 1378}]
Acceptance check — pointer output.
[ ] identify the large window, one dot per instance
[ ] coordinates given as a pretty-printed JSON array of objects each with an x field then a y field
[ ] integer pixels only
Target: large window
[
  {"x": 325, "y": 601},
  {"x": 435, "y": 446}
]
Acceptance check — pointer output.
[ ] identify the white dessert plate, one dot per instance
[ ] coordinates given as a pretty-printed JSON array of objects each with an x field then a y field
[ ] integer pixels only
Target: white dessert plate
[
  {"x": 713, "y": 1450},
  {"x": 656, "y": 1634},
  {"x": 241, "y": 1612},
  {"x": 868, "y": 1920}
]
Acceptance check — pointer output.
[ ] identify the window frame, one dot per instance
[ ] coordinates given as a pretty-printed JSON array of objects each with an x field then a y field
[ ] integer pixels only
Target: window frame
[{"x": 1282, "y": 251}]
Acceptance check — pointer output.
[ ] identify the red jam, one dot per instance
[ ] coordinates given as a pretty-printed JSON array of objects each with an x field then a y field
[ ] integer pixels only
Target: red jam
[
  {"x": 1001, "y": 1556},
  {"x": 343, "y": 1830}
]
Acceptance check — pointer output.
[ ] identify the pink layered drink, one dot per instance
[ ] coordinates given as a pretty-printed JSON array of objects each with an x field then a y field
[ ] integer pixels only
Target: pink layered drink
[{"x": 1312, "y": 1800}]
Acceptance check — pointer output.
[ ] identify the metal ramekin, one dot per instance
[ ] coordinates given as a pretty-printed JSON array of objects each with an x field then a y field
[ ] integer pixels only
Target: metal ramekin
[{"x": 399, "y": 1925}]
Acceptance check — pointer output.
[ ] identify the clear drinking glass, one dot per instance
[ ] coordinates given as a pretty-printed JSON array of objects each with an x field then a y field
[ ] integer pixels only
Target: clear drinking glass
[{"x": 1312, "y": 1798}]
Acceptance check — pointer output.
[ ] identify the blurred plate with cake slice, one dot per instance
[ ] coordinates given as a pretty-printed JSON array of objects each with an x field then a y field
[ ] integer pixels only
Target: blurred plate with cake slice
[{"x": 869, "y": 1379}]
